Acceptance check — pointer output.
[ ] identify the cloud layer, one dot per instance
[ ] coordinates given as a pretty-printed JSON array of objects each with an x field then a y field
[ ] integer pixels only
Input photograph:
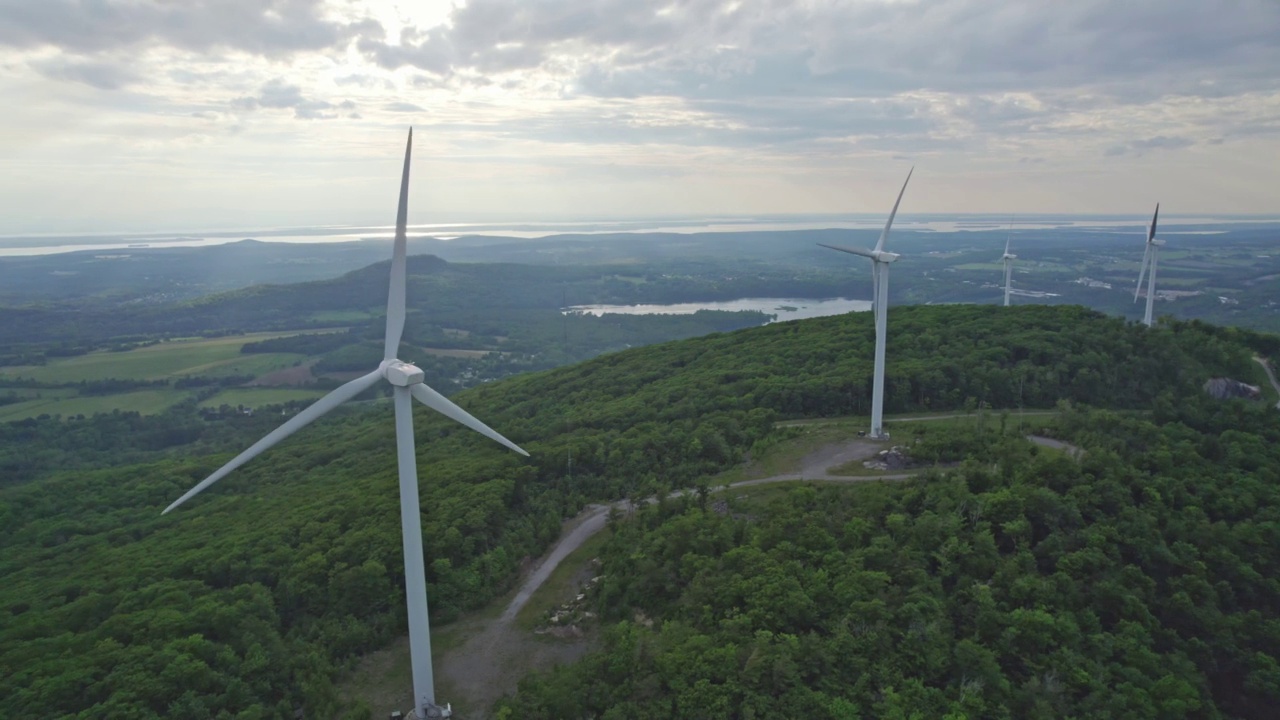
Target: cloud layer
[{"x": 775, "y": 101}]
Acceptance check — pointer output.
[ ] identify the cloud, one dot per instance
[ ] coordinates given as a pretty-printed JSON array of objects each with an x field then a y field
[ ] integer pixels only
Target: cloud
[
  {"x": 402, "y": 107},
  {"x": 277, "y": 94},
  {"x": 631, "y": 47},
  {"x": 273, "y": 28},
  {"x": 949, "y": 74},
  {"x": 104, "y": 75},
  {"x": 1141, "y": 147}
]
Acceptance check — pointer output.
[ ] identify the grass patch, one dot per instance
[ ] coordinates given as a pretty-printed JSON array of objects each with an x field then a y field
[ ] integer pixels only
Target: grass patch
[
  {"x": 760, "y": 496},
  {"x": 340, "y": 316},
  {"x": 785, "y": 455},
  {"x": 562, "y": 585},
  {"x": 382, "y": 680},
  {"x": 205, "y": 356},
  {"x": 147, "y": 402},
  {"x": 258, "y": 397}
]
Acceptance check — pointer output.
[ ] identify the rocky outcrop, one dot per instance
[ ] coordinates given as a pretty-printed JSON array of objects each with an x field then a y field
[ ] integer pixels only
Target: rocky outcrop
[
  {"x": 1226, "y": 388},
  {"x": 895, "y": 458}
]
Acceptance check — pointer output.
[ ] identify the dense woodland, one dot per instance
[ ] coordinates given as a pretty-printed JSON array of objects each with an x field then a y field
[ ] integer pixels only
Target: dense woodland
[
  {"x": 1140, "y": 582},
  {"x": 247, "y": 602}
]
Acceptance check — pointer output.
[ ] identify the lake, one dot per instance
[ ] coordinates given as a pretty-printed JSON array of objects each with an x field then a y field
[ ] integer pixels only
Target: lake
[{"x": 783, "y": 308}]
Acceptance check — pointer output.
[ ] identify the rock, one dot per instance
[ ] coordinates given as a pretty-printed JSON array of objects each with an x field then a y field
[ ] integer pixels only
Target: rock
[{"x": 1225, "y": 388}]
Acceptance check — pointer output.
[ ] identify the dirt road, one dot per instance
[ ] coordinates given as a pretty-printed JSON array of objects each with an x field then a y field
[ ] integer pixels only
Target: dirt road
[
  {"x": 498, "y": 654},
  {"x": 1270, "y": 375}
]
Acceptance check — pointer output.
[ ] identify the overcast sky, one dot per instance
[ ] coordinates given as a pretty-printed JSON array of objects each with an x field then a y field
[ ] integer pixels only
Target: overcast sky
[{"x": 157, "y": 114}]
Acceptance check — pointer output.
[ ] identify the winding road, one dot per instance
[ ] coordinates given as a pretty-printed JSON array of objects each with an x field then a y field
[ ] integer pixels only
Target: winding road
[
  {"x": 497, "y": 654},
  {"x": 1270, "y": 375}
]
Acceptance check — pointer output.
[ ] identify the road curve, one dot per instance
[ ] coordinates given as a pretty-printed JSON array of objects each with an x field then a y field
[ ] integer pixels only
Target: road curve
[
  {"x": 813, "y": 466},
  {"x": 592, "y": 520},
  {"x": 1270, "y": 375}
]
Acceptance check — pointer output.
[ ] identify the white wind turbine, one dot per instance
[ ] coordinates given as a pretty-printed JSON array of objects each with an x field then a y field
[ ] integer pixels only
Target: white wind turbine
[
  {"x": 1149, "y": 258},
  {"x": 1008, "y": 269},
  {"x": 406, "y": 381},
  {"x": 880, "y": 261}
]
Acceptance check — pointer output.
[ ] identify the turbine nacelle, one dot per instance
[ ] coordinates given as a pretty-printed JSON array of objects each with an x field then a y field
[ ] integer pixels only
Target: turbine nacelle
[
  {"x": 401, "y": 374},
  {"x": 1009, "y": 256},
  {"x": 1154, "y": 241},
  {"x": 880, "y": 256}
]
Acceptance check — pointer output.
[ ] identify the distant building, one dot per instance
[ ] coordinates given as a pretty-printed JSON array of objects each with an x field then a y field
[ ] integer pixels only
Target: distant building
[{"x": 1090, "y": 282}]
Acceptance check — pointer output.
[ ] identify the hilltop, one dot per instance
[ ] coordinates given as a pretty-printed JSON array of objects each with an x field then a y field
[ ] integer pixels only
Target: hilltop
[{"x": 250, "y": 600}]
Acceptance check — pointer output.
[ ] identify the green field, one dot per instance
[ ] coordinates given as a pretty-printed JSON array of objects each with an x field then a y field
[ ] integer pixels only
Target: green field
[
  {"x": 147, "y": 402},
  {"x": 257, "y": 397},
  {"x": 166, "y": 360},
  {"x": 341, "y": 316}
]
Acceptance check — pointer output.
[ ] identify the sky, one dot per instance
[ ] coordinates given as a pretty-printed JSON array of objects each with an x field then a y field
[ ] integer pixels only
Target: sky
[{"x": 125, "y": 115}]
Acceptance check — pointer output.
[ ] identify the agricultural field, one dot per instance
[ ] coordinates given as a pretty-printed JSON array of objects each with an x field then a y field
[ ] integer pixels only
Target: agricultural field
[
  {"x": 256, "y": 397},
  {"x": 146, "y": 376},
  {"x": 147, "y": 402},
  {"x": 165, "y": 360}
]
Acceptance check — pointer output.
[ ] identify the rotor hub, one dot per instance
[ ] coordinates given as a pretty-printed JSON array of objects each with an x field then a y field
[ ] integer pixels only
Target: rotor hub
[{"x": 402, "y": 374}]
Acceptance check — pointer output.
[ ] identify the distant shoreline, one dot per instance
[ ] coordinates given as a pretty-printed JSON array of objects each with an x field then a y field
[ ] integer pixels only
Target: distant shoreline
[{"x": 18, "y": 245}]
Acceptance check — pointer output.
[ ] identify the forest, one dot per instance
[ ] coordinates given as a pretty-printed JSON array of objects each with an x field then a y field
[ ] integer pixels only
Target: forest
[
  {"x": 249, "y": 602},
  {"x": 1139, "y": 582}
]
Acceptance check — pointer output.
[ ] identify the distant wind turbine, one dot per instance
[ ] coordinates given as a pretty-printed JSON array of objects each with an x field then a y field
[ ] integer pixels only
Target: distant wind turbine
[
  {"x": 1149, "y": 258},
  {"x": 1008, "y": 269},
  {"x": 880, "y": 261},
  {"x": 406, "y": 381}
]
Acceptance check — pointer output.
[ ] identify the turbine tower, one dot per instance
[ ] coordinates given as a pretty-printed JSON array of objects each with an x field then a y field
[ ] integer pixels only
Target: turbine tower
[
  {"x": 406, "y": 382},
  {"x": 880, "y": 260},
  {"x": 1149, "y": 258},
  {"x": 1008, "y": 270}
]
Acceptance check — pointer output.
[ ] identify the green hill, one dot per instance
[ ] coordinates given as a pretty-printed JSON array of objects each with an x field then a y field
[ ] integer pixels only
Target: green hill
[{"x": 246, "y": 603}]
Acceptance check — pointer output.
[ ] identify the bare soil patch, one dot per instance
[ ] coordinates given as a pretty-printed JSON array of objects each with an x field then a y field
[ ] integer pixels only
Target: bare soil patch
[{"x": 297, "y": 375}]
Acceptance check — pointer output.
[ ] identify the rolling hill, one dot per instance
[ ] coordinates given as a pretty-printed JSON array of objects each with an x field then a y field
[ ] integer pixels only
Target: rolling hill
[{"x": 250, "y": 601}]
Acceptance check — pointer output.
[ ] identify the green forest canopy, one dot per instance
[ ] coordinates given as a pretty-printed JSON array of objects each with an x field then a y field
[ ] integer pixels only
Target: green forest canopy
[
  {"x": 1141, "y": 582},
  {"x": 246, "y": 603}
]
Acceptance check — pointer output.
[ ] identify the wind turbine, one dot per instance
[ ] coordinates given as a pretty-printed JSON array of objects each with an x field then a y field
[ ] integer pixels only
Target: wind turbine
[
  {"x": 880, "y": 260},
  {"x": 1008, "y": 269},
  {"x": 1149, "y": 257},
  {"x": 406, "y": 382}
]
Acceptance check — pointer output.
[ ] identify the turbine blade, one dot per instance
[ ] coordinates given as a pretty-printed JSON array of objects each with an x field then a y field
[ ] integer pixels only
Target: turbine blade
[
  {"x": 885, "y": 235},
  {"x": 296, "y": 423},
  {"x": 1151, "y": 231},
  {"x": 1007, "y": 238},
  {"x": 1142, "y": 270},
  {"x": 851, "y": 251},
  {"x": 444, "y": 406},
  {"x": 395, "y": 295}
]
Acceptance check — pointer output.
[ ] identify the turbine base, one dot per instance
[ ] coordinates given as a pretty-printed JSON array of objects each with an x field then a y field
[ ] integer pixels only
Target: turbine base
[{"x": 432, "y": 711}]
